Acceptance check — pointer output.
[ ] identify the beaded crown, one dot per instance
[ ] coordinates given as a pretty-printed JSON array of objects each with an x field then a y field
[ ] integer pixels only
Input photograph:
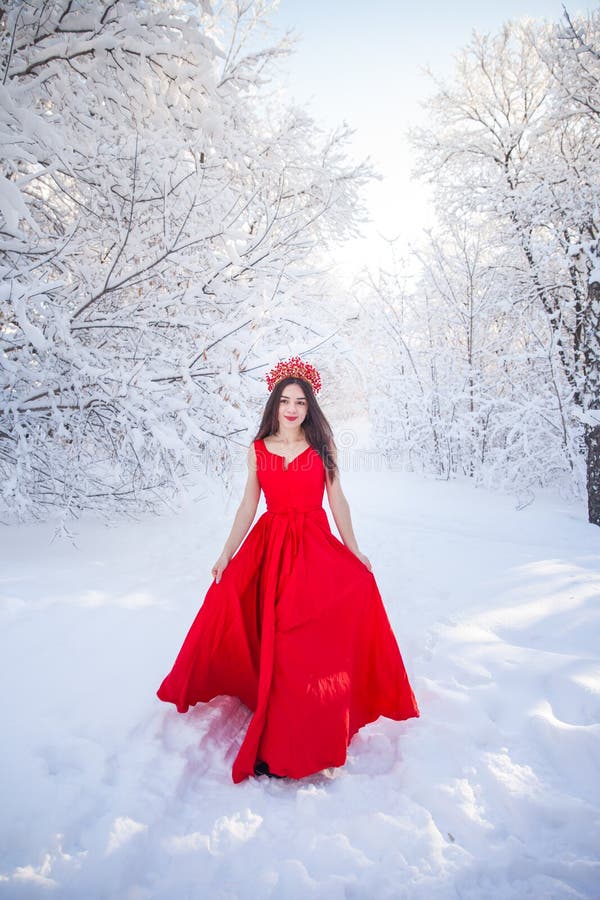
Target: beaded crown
[{"x": 298, "y": 369}]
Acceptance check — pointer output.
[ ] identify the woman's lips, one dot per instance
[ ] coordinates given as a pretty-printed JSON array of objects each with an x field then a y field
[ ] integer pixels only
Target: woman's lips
[{"x": 291, "y": 418}]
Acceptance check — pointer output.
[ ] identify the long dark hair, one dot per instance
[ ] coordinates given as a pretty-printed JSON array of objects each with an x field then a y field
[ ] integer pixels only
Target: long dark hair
[{"x": 317, "y": 429}]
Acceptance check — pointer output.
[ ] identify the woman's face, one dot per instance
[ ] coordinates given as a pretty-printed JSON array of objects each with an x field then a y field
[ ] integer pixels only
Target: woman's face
[{"x": 293, "y": 407}]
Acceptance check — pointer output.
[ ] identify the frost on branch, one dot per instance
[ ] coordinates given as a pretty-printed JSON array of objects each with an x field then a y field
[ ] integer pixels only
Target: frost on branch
[{"x": 161, "y": 214}]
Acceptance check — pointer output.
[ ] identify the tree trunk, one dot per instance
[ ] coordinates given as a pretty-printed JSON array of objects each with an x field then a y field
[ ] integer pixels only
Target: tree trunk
[
  {"x": 592, "y": 392},
  {"x": 592, "y": 445}
]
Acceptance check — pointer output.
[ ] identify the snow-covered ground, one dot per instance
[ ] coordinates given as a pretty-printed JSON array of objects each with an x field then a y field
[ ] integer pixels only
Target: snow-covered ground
[{"x": 494, "y": 792}]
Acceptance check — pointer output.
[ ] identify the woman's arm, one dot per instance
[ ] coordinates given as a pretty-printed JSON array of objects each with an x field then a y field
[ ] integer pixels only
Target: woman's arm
[
  {"x": 243, "y": 517},
  {"x": 340, "y": 509}
]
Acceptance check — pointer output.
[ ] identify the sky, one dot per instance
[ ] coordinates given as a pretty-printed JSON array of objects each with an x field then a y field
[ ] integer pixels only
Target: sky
[{"x": 364, "y": 64}]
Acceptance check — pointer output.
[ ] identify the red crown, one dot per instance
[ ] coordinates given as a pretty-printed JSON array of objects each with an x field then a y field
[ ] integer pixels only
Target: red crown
[{"x": 298, "y": 369}]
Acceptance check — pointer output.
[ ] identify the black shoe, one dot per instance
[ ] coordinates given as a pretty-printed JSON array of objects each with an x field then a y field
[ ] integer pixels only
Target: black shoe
[{"x": 261, "y": 768}]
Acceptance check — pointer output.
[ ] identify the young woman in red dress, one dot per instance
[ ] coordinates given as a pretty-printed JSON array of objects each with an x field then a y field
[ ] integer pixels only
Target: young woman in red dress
[{"x": 293, "y": 623}]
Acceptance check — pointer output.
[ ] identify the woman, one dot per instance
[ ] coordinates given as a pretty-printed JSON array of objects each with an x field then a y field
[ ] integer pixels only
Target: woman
[{"x": 293, "y": 624}]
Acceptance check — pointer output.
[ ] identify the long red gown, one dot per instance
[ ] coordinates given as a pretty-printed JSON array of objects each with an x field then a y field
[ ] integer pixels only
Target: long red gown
[{"x": 296, "y": 629}]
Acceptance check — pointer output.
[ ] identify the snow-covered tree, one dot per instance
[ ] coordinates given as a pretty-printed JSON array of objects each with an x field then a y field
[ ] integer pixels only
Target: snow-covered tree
[
  {"x": 573, "y": 59},
  {"x": 162, "y": 214},
  {"x": 466, "y": 381},
  {"x": 511, "y": 147}
]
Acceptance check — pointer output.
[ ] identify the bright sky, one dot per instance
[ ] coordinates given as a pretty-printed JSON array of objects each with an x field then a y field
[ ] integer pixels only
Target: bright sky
[{"x": 363, "y": 63}]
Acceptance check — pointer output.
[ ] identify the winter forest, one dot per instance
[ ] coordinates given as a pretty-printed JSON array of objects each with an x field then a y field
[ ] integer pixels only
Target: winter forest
[
  {"x": 166, "y": 221},
  {"x": 171, "y": 224}
]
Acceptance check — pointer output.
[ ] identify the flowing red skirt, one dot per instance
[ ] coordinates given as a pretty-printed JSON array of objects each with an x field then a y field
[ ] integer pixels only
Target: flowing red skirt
[{"x": 297, "y": 630}]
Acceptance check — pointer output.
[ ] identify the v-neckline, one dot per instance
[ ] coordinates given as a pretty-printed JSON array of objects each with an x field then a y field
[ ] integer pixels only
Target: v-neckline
[{"x": 284, "y": 458}]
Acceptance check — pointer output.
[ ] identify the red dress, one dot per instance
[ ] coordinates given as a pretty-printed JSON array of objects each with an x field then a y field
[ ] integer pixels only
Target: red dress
[{"x": 296, "y": 629}]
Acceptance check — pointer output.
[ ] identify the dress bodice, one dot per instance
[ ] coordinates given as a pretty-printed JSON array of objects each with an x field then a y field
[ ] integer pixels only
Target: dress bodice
[{"x": 299, "y": 486}]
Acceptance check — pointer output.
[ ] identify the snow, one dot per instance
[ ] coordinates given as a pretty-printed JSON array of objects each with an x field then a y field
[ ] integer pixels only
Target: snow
[{"x": 493, "y": 791}]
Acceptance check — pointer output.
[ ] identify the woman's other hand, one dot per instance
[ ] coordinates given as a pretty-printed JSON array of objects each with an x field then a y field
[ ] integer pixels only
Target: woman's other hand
[
  {"x": 217, "y": 569},
  {"x": 364, "y": 559}
]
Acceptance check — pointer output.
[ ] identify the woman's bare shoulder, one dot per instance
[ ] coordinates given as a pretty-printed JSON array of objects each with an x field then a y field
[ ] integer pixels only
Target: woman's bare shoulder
[{"x": 251, "y": 455}]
